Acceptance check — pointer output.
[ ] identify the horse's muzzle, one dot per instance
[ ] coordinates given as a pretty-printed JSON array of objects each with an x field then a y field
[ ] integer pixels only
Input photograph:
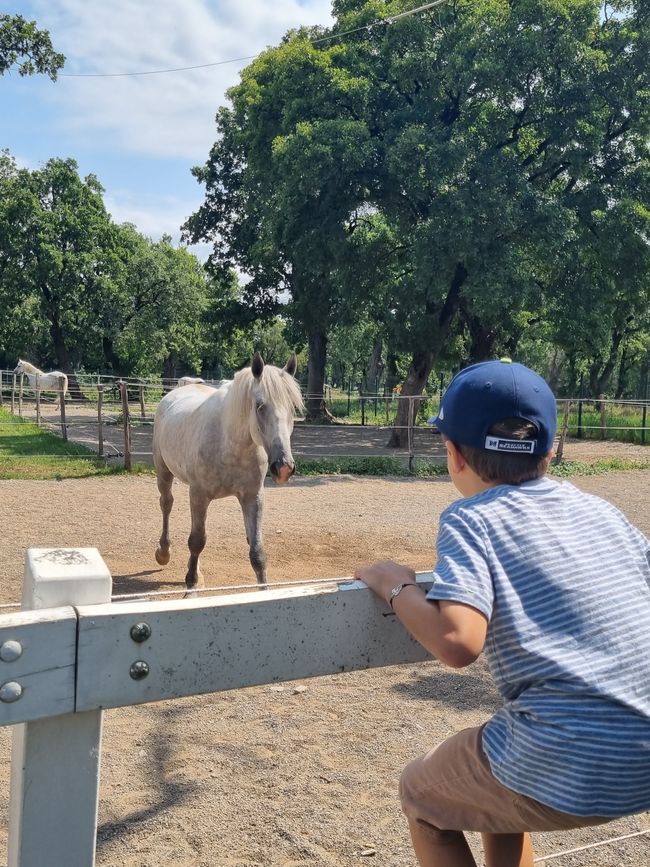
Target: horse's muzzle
[{"x": 281, "y": 471}]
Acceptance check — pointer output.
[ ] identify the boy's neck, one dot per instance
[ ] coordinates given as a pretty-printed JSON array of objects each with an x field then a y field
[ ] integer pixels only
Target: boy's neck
[{"x": 474, "y": 484}]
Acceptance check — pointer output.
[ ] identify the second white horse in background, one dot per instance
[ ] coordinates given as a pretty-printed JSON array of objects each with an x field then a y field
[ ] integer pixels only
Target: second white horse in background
[{"x": 55, "y": 380}]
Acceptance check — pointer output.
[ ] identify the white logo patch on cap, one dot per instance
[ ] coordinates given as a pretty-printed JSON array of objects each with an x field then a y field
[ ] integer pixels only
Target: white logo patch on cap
[
  {"x": 498, "y": 444},
  {"x": 441, "y": 414}
]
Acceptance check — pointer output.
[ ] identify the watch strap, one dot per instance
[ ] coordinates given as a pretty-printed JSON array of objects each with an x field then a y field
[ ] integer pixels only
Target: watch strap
[{"x": 395, "y": 592}]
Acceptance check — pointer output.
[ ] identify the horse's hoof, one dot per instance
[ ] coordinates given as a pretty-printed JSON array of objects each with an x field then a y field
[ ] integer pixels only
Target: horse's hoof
[{"x": 162, "y": 558}]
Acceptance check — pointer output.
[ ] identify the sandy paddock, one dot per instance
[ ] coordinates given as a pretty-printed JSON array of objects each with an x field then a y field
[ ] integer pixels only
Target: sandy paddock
[{"x": 272, "y": 775}]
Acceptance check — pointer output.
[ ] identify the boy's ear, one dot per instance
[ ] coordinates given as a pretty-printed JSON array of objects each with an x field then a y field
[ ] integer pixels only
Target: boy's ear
[{"x": 455, "y": 458}]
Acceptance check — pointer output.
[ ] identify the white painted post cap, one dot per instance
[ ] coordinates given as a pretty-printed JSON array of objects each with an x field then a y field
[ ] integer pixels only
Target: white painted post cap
[{"x": 65, "y": 576}]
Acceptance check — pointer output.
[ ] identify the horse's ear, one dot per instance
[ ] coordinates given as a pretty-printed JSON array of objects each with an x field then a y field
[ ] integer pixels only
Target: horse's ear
[
  {"x": 292, "y": 364},
  {"x": 257, "y": 365}
]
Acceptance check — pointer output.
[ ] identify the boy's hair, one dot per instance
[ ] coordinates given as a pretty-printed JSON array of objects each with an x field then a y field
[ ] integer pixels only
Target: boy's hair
[{"x": 509, "y": 469}]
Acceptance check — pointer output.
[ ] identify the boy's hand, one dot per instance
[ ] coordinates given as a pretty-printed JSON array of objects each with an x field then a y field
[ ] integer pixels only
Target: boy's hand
[
  {"x": 451, "y": 631},
  {"x": 382, "y": 576}
]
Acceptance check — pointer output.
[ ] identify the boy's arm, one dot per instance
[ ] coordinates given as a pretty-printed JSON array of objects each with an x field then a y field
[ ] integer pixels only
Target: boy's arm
[{"x": 452, "y": 632}]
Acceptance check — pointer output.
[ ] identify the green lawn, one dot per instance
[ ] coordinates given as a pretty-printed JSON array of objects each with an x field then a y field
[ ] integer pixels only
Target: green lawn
[
  {"x": 422, "y": 468},
  {"x": 27, "y": 452}
]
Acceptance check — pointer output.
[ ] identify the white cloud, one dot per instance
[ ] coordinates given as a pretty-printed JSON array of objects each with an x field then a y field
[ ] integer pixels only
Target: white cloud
[
  {"x": 154, "y": 216},
  {"x": 169, "y": 114}
]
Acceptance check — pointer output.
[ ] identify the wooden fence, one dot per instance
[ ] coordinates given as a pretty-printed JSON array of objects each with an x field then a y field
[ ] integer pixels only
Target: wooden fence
[{"x": 70, "y": 653}]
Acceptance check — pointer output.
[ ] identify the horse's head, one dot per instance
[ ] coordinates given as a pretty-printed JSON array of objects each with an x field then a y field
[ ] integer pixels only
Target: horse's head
[
  {"x": 276, "y": 397},
  {"x": 20, "y": 367}
]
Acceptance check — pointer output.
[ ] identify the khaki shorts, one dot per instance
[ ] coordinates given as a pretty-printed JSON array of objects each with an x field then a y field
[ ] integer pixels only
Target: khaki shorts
[{"x": 452, "y": 789}]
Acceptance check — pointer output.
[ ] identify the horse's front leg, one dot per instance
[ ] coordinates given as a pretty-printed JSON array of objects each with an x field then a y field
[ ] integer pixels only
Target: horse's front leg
[
  {"x": 199, "y": 503},
  {"x": 164, "y": 480},
  {"x": 252, "y": 508}
]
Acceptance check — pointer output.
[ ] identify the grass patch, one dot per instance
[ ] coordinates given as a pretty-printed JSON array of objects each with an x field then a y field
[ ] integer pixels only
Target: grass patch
[
  {"x": 390, "y": 466},
  {"x": 596, "y": 468},
  {"x": 382, "y": 465},
  {"x": 28, "y": 452}
]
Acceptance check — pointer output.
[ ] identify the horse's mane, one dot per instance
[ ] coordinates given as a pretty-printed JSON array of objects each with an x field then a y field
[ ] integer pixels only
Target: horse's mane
[
  {"x": 278, "y": 388},
  {"x": 29, "y": 368}
]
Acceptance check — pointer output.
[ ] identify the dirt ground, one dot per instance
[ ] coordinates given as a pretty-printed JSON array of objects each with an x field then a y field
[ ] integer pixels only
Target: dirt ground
[{"x": 272, "y": 775}]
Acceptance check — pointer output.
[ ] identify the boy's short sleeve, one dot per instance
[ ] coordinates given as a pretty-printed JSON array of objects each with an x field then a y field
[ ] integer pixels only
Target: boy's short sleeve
[{"x": 462, "y": 573}]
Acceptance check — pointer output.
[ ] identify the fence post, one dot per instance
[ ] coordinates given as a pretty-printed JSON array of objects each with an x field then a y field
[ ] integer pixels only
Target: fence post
[
  {"x": 409, "y": 432},
  {"x": 13, "y": 394},
  {"x": 55, "y": 761},
  {"x": 603, "y": 417},
  {"x": 143, "y": 413},
  {"x": 563, "y": 434},
  {"x": 2, "y": 387},
  {"x": 100, "y": 429},
  {"x": 37, "y": 389},
  {"x": 579, "y": 432},
  {"x": 644, "y": 421},
  {"x": 126, "y": 422},
  {"x": 64, "y": 426},
  {"x": 20, "y": 395}
]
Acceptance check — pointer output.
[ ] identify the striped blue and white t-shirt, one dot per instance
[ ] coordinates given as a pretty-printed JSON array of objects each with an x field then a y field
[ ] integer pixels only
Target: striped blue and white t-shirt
[{"x": 564, "y": 579}]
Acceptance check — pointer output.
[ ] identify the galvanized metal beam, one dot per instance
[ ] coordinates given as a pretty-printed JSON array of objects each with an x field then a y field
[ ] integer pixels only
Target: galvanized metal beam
[{"x": 149, "y": 651}]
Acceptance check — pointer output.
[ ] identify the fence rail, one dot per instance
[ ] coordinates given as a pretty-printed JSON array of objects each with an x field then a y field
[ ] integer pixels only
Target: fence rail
[
  {"x": 71, "y": 652},
  {"x": 79, "y": 653},
  {"x": 114, "y": 419}
]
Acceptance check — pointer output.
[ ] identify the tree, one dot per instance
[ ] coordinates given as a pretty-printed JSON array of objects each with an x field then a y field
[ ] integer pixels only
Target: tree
[
  {"x": 286, "y": 172},
  {"x": 485, "y": 137},
  {"x": 153, "y": 322},
  {"x": 56, "y": 259},
  {"x": 80, "y": 290},
  {"x": 22, "y": 44},
  {"x": 503, "y": 129}
]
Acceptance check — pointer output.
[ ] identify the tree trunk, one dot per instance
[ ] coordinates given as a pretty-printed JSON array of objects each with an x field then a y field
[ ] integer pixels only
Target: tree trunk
[
  {"x": 423, "y": 359},
  {"x": 416, "y": 379},
  {"x": 482, "y": 337},
  {"x": 114, "y": 364},
  {"x": 315, "y": 402},
  {"x": 375, "y": 368},
  {"x": 169, "y": 371},
  {"x": 601, "y": 377},
  {"x": 63, "y": 360},
  {"x": 555, "y": 369},
  {"x": 392, "y": 374},
  {"x": 622, "y": 377}
]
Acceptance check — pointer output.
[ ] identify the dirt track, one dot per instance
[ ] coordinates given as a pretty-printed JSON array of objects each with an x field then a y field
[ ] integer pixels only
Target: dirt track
[{"x": 269, "y": 776}]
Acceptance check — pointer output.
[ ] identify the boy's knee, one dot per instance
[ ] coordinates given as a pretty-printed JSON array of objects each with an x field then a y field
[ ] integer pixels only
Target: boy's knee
[{"x": 414, "y": 788}]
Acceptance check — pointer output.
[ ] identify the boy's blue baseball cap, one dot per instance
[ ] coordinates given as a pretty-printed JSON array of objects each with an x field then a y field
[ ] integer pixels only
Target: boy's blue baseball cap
[{"x": 493, "y": 391}]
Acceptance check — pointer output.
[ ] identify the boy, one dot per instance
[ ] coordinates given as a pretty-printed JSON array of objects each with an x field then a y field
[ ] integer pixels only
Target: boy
[{"x": 554, "y": 585}]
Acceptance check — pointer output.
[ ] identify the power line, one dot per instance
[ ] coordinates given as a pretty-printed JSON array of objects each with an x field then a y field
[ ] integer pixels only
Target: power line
[{"x": 367, "y": 27}]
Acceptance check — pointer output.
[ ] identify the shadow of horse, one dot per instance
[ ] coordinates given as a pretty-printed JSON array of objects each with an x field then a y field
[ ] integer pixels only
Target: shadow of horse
[{"x": 139, "y": 582}]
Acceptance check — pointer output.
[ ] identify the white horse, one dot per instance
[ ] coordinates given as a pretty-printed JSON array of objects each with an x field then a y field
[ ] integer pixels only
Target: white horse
[
  {"x": 196, "y": 380},
  {"x": 51, "y": 381},
  {"x": 220, "y": 443}
]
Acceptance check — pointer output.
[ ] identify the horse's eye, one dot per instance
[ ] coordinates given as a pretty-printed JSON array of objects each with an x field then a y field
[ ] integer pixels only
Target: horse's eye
[{"x": 260, "y": 407}]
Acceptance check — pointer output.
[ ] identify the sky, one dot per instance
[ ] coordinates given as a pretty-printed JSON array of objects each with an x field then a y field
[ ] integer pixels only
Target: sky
[{"x": 140, "y": 135}]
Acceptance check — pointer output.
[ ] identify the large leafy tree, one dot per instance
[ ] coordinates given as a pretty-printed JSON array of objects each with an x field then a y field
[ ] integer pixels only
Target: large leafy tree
[
  {"x": 505, "y": 129},
  {"x": 153, "y": 322},
  {"x": 78, "y": 290},
  {"x": 292, "y": 161},
  {"x": 493, "y": 141},
  {"x": 56, "y": 260},
  {"x": 27, "y": 48}
]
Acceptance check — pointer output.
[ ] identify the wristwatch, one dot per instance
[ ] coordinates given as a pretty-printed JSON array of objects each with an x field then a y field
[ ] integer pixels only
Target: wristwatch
[{"x": 397, "y": 590}]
